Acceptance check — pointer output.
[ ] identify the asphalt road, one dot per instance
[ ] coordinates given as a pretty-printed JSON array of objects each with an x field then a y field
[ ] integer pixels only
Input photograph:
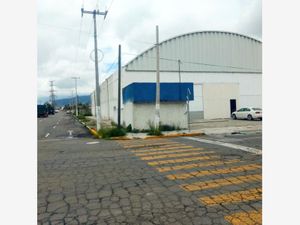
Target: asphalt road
[
  {"x": 60, "y": 125},
  {"x": 251, "y": 139},
  {"x": 82, "y": 180}
]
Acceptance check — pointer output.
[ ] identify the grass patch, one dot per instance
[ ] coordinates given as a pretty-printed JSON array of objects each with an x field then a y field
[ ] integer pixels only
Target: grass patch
[{"x": 82, "y": 118}]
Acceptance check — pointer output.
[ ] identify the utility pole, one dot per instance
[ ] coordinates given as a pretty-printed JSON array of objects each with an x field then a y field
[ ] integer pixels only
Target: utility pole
[
  {"x": 94, "y": 13},
  {"x": 119, "y": 89},
  {"x": 76, "y": 95},
  {"x": 52, "y": 95},
  {"x": 71, "y": 101},
  {"x": 179, "y": 74},
  {"x": 188, "y": 108},
  {"x": 157, "y": 100}
]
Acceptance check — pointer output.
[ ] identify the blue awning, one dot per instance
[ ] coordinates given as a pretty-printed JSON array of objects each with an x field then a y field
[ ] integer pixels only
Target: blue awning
[{"x": 169, "y": 92}]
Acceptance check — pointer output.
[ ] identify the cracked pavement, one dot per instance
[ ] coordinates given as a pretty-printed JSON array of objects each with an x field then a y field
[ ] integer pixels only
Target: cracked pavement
[{"x": 88, "y": 181}]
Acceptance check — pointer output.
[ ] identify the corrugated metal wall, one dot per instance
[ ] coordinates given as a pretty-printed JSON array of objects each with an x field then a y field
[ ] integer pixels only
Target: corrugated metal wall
[{"x": 210, "y": 51}]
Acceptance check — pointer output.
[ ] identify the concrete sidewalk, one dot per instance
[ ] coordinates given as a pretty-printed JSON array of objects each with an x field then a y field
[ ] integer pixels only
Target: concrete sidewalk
[
  {"x": 225, "y": 126},
  {"x": 201, "y": 127}
]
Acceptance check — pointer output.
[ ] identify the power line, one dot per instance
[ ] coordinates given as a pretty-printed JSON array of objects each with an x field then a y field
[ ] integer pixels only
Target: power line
[
  {"x": 61, "y": 27},
  {"x": 189, "y": 62},
  {"x": 76, "y": 53},
  {"x": 114, "y": 63},
  {"x": 102, "y": 24}
]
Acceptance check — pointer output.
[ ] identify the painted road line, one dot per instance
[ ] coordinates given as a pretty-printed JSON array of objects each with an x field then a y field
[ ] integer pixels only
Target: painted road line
[
  {"x": 47, "y": 135},
  {"x": 54, "y": 127},
  {"x": 245, "y": 218},
  {"x": 214, "y": 172},
  {"x": 92, "y": 142},
  {"x": 228, "y": 145},
  {"x": 166, "y": 147},
  {"x": 175, "y": 155},
  {"x": 196, "y": 165},
  {"x": 198, "y": 186},
  {"x": 70, "y": 134},
  {"x": 167, "y": 152},
  {"x": 138, "y": 142},
  {"x": 233, "y": 197},
  {"x": 146, "y": 145},
  {"x": 190, "y": 159}
]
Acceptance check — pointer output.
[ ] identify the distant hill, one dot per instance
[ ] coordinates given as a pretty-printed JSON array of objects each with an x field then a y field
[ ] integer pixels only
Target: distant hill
[{"x": 85, "y": 99}]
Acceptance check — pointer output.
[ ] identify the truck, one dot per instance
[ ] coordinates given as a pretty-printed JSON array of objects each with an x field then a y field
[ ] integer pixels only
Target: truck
[{"x": 42, "y": 111}]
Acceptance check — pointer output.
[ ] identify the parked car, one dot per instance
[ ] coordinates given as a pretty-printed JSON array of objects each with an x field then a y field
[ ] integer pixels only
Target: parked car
[
  {"x": 42, "y": 111},
  {"x": 249, "y": 113}
]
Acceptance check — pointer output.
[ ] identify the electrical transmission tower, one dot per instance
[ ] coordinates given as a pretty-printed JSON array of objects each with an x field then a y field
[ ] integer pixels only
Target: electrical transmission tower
[{"x": 52, "y": 95}]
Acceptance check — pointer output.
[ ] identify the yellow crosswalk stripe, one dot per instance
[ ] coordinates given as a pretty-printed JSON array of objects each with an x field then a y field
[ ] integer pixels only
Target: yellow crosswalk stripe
[
  {"x": 174, "y": 155},
  {"x": 164, "y": 148},
  {"x": 190, "y": 159},
  {"x": 145, "y": 145},
  {"x": 245, "y": 218},
  {"x": 220, "y": 182},
  {"x": 214, "y": 172},
  {"x": 167, "y": 152},
  {"x": 233, "y": 197},
  {"x": 196, "y": 165}
]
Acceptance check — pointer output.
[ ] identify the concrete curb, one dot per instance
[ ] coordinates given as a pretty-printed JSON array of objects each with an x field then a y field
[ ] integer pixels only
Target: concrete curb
[
  {"x": 92, "y": 131},
  {"x": 124, "y": 138},
  {"x": 175, "y": 135},
  {"x": 95, "y": 134}
]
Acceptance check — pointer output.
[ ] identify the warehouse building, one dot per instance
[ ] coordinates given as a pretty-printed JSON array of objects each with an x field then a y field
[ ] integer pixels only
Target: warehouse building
[{"x": 218, "y": 71}]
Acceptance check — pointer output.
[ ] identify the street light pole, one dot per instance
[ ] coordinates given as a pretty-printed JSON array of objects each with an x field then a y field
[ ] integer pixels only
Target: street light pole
[
  {"x": 157, "y": 99},
  {"x": 76, "y": 95},
  {"x": 98, "y": 111}
]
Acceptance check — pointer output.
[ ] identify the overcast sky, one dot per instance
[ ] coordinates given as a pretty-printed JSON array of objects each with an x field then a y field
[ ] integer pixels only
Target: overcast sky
[{"x": 65, "y": 39}]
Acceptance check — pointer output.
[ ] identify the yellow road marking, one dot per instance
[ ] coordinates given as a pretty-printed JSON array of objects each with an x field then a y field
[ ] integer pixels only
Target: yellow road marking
[
  {"x": 174, "y": 155},
  {"x": 166, "y": 147},
  {"x": 213, "y": 172},
  {"x": 165, "y": 152},
  {"x": 220, "y": 182},
  {"x": 181, "y": 160},
  {"x": 245, "y": 218},
  {"x": 233, "y": 197},
  {"x": 146, "y": 145},
  {"x": 194, "y": 165}
]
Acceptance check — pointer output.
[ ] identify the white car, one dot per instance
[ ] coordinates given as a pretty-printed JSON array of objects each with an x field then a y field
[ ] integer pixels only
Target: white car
[{"x": 248, "y": 113}]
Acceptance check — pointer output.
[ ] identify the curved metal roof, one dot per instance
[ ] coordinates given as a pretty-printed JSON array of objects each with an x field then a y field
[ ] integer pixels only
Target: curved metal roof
[{"x": 203, "y": 51}]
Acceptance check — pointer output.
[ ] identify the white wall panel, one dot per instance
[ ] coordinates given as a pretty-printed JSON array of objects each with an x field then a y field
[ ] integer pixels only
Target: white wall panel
[{"x": 216, "y": 99}]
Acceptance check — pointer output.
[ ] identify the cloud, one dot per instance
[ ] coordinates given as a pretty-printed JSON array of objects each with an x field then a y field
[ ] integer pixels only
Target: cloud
[{"x": 65, "y": 39}]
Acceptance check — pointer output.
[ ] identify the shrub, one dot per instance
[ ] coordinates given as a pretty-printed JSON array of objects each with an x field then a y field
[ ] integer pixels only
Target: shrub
[
  {"x": 113, "y": 124},
  {"x": 112, "y": 132},
  {"x": 129, "y": 128}
]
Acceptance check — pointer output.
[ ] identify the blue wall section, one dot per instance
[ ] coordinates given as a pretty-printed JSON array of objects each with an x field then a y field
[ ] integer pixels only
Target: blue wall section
[{"x": 169, "y": 92}]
